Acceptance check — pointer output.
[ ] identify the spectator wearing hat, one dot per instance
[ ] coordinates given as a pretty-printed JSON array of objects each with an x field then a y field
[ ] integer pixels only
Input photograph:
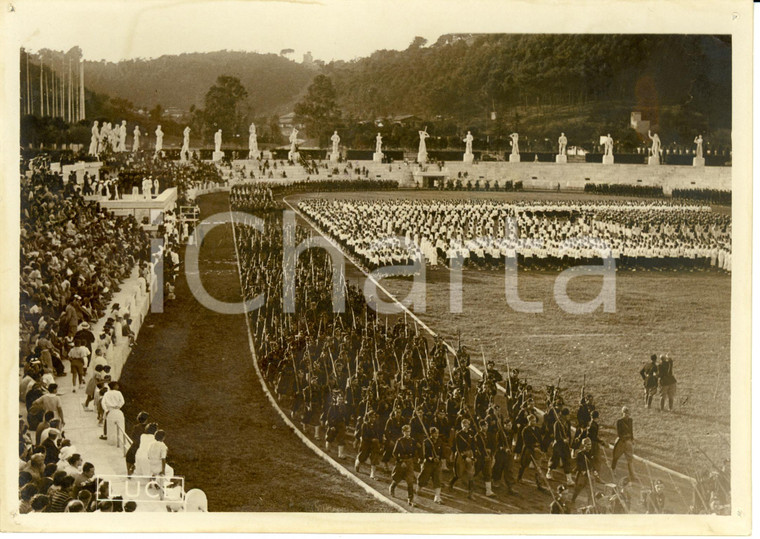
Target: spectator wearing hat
[{"x": 84, "y": 336}]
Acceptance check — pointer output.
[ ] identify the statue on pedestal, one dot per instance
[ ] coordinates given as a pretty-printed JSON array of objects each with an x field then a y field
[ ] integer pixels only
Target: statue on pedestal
[
  {"x": 293, "y": 153},
  {"x": 608, "y": 142},
  {"x": 378, "y": 143},
  {"x": 94, "y": 140},
  {"x": 123, "y": 136},
  {"x": 468, "y": 143},
  {"x": 422, "y": 152},
  {"x": 184, "y": 153},
  {"x": 698, "y": 142},
  {"x": 654, "y": 151},
  {"x": 159, "y": 140},
  {"x": 218, "y": 141},
  {"x": 253, "y": 143},
  {"x": 515, "y": 146},
  {"x": 562, "y": 144},
  {"x": 136, "y": 139}
]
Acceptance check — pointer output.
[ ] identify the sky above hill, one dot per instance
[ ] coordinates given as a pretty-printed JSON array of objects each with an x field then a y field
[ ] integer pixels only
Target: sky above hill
[{"x": 331, "y": 30}]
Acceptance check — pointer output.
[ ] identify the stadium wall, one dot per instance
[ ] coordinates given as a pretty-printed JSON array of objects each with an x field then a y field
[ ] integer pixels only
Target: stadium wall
[{"x": 574, "y": 176}]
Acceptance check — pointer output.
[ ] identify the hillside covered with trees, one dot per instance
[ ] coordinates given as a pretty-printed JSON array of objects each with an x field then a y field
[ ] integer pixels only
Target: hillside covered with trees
[
  {"x": 597, "y": 79},
  {"x": 272, "y": 82}
]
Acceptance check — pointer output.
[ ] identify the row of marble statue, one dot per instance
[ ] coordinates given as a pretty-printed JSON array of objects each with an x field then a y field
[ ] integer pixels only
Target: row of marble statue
[{"x": 116, "y": 136}]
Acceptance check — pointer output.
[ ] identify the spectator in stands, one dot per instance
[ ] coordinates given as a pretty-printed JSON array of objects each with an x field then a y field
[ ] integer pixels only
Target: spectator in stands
[
  {"x": 35, "y": 468},
  {"x": 85, "y": 478},
  {"x": 142, "y": 463},
  {"x": 112, "y": 402},
  {"x": 73, "y": 465},
  {"x": 157, "y": 454},
  {"x": 51, "y": 447},
  {"x": 78, "y": 359},
  {"x": 74, "y": 506},
  {"x": 137, "y": 432},
  {"x": 40, "y": 503},
  {"x": 62, "y": 495},
  {"x": 51, "y": 402},
  {"x": 26, "y": 494}
]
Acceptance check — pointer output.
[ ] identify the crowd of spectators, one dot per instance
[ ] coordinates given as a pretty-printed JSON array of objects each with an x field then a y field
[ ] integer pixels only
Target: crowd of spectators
[
  {"x": 710, "y": 196},
  {"x": 74, "y": 257},
  {"x": 627, "y": 190}
]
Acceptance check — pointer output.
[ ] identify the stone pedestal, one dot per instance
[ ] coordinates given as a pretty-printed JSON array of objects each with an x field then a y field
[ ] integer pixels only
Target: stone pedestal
[
  {"x": 334, "y": 157},
  {"x": 514, "y": 158},
  {"x": 468, "y": 158},
  {"x": 252, "y": 156},
  {"x": 608, "y": 159},
  {"x": 654, "y": 160},
  {"x": 698, "y": 162},
  {"x": 294, "y": 156},
  {"x": 217, "y": 156},
  {"x": 422, "y": 158},
  {"x": 561, "y": 159},
  {"x": 377, "y": 157}
]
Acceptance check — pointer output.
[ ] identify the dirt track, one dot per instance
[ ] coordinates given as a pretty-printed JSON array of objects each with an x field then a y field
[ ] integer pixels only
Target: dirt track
[{"x": 192, "y": 371}]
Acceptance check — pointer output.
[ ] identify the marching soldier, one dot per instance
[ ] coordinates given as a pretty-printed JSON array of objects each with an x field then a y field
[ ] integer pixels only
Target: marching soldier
[
  {"x": 432, "y": 452},
  {"x": 624, "y": 443},
  {"x": 404, "y": 452},
  {"x": 584, "y": 468},
  {"x": 464, "y": 457},
  {"x": 370, "y": 433},
  {"x": 531, "y": 443},
  {"x": 561, "y": 446}
]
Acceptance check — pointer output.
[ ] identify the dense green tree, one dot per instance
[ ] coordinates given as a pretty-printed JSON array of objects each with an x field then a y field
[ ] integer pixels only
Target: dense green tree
[
  {"x": 224, "y": 108},
  {"x": 319, "y": 110}
]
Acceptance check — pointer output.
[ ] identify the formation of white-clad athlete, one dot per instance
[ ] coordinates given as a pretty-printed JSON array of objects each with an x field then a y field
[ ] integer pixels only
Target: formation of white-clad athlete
[{"x": 402, "y": 232}]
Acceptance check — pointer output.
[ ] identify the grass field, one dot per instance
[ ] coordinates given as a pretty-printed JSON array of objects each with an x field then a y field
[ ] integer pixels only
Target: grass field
[{"x": 684, "y": 314}]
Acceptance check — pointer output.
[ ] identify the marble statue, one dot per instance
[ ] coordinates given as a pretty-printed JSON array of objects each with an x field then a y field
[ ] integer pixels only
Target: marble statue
[
  {"x": 698, "y": 142},
  {"x": 515, "y": 146},
  {"x": 655, "y": 149},
  {"x": 422, "y": 152},
  {"x": 335, "y": 141},
  {"x": 608, "y": 142},
  {"x": 562, "y": 144},
  {"x": 184, "y": 153},
  {"x": 94, "y": 140},
  {"x": 253, "y": 143},
  {"x": 468, "y": 143},
  {"x": 159, "y": 140},
  {"x": 123, "y": 136},
  {"x": 218, "y": 141},
  {"x": 293, "y": 153},
  {"x": 136, "y": 139},
  {"x": 379, "y": 143}
]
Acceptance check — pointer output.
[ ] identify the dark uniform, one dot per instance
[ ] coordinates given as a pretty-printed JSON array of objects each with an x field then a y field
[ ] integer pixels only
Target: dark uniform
[
  {"x": 531, "y": 441},
  {"x": 404, "y": 452}
]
